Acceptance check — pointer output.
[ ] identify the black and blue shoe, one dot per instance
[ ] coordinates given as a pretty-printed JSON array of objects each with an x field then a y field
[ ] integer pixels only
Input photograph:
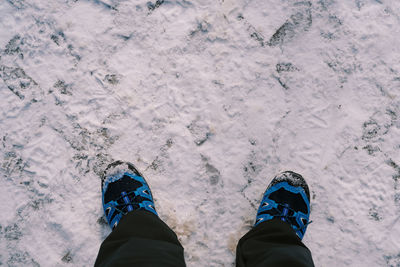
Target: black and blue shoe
[
  {"x": 124, "y": 190},
  {"x": 287, "y": 198}
]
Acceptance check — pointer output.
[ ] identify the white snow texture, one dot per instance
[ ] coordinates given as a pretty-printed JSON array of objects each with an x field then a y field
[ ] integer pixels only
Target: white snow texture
[{"x": 209, "y": 99}]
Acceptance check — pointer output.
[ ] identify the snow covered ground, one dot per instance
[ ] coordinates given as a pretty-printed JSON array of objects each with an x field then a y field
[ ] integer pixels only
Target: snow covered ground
[{"x": 209, "y": 99}]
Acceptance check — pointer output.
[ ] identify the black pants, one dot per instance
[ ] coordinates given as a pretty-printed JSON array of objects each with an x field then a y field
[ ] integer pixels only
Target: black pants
[{"x": 142, "y": 239}]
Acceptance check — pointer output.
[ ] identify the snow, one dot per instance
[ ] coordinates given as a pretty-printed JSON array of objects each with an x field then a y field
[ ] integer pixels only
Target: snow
[{"x": 209, "y": 100}]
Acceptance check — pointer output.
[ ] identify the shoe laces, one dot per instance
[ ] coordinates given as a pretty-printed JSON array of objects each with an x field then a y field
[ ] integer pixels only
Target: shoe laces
[
  {"x": 121, "y": 208},
  {"x": 284, "y": 215}
]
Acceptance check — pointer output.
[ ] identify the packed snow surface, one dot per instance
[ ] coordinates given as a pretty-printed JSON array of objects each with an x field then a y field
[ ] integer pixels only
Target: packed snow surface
[{"x": 209, "y": 99}]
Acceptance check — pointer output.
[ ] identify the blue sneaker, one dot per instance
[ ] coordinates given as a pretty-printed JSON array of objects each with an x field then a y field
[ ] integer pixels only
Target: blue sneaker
[
  {"x": 124, "y": 190},
  {"x": 287, "y": 198}
]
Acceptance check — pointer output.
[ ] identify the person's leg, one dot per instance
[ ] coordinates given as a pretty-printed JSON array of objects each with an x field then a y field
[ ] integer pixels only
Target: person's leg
[
  {"x": 273, "y": 244},
  {"x": 139, "y": 237},
  {"x": 281, "y": 222}
]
